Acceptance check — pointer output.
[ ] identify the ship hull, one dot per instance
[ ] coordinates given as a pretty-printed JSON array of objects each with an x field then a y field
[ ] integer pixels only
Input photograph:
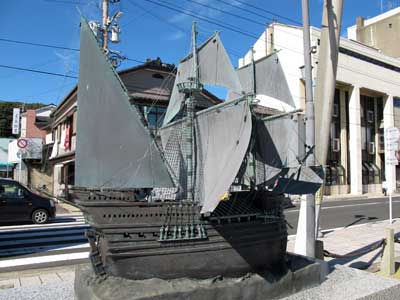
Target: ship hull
[{"x": 129, "y": 241}]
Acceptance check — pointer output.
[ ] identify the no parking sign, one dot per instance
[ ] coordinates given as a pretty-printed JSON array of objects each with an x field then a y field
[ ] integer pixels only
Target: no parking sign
[{"x": 22, "y": 143}]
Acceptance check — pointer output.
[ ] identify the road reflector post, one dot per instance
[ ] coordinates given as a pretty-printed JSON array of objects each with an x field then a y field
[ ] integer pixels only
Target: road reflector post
[{"x": 388, "y": 263}]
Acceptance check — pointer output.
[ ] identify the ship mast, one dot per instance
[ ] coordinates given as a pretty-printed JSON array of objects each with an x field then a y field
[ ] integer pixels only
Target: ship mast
[{"x": 190, "y": 107}]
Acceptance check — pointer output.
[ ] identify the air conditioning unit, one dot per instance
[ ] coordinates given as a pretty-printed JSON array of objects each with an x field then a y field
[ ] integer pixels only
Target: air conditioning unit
[
  {"x": 381, "y": 145},
  {"x": 371, "y": 148},
  {"x": 370, "y": 116},
  {"x": 335, "y": 112},
  {"x": 336, "y": 145}
]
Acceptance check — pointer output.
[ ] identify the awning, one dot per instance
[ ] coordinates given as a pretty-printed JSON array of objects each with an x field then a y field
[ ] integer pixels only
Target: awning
[{"x": 6, "y": 166}]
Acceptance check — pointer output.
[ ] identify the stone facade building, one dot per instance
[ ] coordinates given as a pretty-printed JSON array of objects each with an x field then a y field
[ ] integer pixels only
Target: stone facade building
[
  {"x": 381, "y": 32},
  {"x": 368, "y": 84}
]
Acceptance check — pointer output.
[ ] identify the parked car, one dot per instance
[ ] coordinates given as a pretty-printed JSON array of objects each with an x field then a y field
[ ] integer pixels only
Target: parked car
[{"x": 18, "y": 203}]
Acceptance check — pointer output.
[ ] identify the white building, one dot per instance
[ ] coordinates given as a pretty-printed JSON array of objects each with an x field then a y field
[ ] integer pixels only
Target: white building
[
  {"x": 380, "y": 32},
  {"x": 368, "y": 83}
]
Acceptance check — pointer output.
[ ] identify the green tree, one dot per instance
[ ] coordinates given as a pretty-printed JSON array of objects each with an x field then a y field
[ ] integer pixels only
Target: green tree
[{"x": 6, "y": 115}]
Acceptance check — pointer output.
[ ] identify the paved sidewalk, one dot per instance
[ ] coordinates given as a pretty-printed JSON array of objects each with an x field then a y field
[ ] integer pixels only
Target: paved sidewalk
[
  {"x": 33, "y": 277},
  {"x": 345, "y": 197},
  {"x": 348, "y": 197},
  {"x": 57, "y": 283},
  {"x": 355, "y": 238},
  {"x": 65, "y": 208}
]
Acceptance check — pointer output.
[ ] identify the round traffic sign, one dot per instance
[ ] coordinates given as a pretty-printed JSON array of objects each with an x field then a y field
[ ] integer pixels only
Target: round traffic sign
[{"x": 22, "y": 143}]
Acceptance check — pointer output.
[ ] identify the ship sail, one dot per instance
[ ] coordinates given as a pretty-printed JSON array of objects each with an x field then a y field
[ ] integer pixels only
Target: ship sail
[
  {"x": 114, "y": 149},
  {"x": 215, "y": 68},
  {"x": 270, "y": 81},
  {"x": 223, "y": 136},
  {"x": 279, "y": 160}
]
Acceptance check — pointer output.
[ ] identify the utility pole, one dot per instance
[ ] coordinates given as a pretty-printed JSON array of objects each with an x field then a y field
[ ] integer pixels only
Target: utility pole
[
  {"x": 326, "y": 83},
  {"x": 107, "y": 31},
  {"x": 305, "y": 238},
  {"x": 253, "y": 67},
  {"x": 105, "y": 25}
]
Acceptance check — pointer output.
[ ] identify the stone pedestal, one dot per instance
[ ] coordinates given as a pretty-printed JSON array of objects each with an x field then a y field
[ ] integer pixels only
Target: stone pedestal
[{"x": 302, "y": 273}]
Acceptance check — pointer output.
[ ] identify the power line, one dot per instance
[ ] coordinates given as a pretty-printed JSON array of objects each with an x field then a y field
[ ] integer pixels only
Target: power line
[
  {"x": 218, "y": 23},
  {"x": 168, "y": 22},
  {"x": 158, "y": 17},
  {"x": 64, "y": 2},
  {"x": 135, "y": 60},
  {"x": 245, "y": 9},
  {"x": 37, "y": 44},
  {"x": 55, "y": 47},
  {"x": 227, "y": 12},
  {"x": 38, "y": 71},
  {"x": 205, "y": 19},
  {"x": 267, "y": 11}
]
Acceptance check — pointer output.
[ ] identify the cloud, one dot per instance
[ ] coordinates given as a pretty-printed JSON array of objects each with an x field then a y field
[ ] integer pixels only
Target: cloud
[
  {"x": 70, "y": 61},
  {"x": 177, "y": 35},
  {"x": 177, "y": 18},
  {"x": 197, "y": 9}
]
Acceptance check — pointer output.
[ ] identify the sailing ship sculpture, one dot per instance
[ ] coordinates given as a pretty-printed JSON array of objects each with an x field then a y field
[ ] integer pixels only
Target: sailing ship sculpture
[{"x": 156, "y": 210}]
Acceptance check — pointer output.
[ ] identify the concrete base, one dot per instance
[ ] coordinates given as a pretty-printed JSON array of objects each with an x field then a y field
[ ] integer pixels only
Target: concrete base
[
  {"x": 302, "y": 274},
  {"x": 352, "y": 284}
]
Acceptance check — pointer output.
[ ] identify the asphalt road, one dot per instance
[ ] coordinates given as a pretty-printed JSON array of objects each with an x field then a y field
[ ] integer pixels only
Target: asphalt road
[{"x": 344, "y": 213}]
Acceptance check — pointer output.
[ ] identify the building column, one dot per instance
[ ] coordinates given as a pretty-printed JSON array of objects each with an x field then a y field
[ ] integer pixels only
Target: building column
[
  {"x": 343, "y": 132},
  {"x": 355, "y": 142},
  {"x": 388, "y": 121},
  {"x": 378, "y": 161}
]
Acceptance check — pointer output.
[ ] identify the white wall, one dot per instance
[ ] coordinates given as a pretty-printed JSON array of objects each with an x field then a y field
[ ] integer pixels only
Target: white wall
[
  {"x": 23, "y": 125},
  {"x": 49, "y": 138},
  {"x": 289, "y": 42},
  {"x": 366, "y": 75},
  {"x": 45, "y": 113}
]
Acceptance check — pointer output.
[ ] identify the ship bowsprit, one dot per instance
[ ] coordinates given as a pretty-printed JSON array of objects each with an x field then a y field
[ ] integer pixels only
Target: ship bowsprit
[{"x": 167, "y": 240}]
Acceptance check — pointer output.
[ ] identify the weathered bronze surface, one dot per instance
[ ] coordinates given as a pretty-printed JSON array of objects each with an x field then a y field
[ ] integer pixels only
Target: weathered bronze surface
[{"x": 167, "y": 240}]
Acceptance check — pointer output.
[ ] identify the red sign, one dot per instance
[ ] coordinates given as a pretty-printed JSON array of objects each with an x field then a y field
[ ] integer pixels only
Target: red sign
[
  {"x": 67, "y": 142},
  {"x": 22, "y": 143}
]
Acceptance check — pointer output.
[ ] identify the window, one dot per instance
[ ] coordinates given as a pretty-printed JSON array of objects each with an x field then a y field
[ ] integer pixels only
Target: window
[
  {"x": 370, "y": 116},
  {"x": 70, "y": 180},
  {"x": 11, "y": 190},
  {"x": 154, "y": 116},
  {"x": 335, "y": 110},
  {"x": 335, "y": 145},
  {"x": 396, "y": 102}
]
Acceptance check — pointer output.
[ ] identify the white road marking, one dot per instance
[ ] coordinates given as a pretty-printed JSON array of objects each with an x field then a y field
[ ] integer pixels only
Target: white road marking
[
  {"x": 43, "y": 259},
  {"x": 343, "y": 206},
  {"x": 47, "y": 248},
  {"x": 41, "y": 227},
  {"x": 293, "y": 236}
]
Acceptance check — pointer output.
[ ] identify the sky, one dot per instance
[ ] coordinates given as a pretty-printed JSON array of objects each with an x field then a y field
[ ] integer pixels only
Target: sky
[{"x": 148, "y": 31}]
